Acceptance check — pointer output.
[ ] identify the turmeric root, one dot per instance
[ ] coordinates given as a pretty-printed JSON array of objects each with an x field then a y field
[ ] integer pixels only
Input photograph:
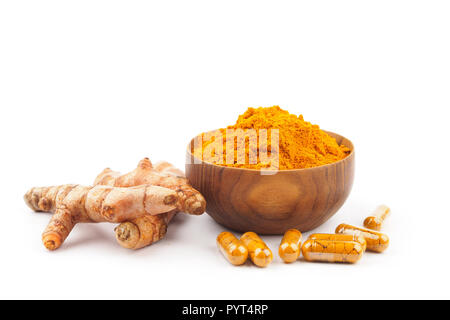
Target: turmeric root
[
  {"x": 43, "y": 199},
  {"x": 189, "y": 199},
  {"x": 144, "y": 216},
  {"x": 73, "y": 204},
  {"x": 143, "y": 231}
]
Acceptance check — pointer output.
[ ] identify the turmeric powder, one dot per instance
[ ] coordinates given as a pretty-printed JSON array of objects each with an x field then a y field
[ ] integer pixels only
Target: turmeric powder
[{"x": 300, "y": 144}]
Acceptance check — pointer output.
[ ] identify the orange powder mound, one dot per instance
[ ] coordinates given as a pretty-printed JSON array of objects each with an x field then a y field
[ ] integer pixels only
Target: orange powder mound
[{"x": 301, "y": 144}]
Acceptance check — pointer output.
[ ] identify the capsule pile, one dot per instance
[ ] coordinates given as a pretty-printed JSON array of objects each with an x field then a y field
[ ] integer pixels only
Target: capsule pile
[{"x": 346, "y": 245}]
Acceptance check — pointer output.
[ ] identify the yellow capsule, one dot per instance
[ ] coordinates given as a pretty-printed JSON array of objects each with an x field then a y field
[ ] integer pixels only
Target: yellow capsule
[
  {"x": 377, "y": 218},
  {"x": 332, "y": 251},
  {"x": 290, "y": 245},
  {"x": 232, "y": 248},
  {"x": 259, "y": 252},
  {"x": 376, "y": 241},
  {"x": 339, "y": 237}
]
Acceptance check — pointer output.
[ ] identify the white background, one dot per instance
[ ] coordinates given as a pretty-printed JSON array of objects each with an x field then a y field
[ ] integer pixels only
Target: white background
[{"x": 90, "y": 84}]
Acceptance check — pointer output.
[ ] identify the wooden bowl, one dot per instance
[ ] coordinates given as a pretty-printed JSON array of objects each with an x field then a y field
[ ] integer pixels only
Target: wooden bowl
[{"x": 244, "y": 200}]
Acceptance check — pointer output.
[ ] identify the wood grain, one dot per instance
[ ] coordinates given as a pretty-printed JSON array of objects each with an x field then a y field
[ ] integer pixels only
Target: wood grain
[{"x": 244, "y": 200}]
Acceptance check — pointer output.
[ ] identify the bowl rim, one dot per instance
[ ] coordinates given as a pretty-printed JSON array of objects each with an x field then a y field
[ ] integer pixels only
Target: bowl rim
[{"x": 350, "y": 155}]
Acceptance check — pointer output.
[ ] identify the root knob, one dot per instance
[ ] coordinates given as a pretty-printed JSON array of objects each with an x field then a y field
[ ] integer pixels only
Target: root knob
[
  {"x": 51, "y": 241},
  {"x": 127, "y": 235}
]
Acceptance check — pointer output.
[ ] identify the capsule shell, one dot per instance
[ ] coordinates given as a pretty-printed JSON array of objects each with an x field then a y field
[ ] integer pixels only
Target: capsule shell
[
  {"x": 376, "y": 241},
  {"x": 339, "y": 237},
  {"x": 375, "y": 221},
  {"x": 259, "y": 252},
  {"x": 290, "y": 245},
  {"x": 332, "y": 251},
  {"x": 232, "y": 248}
]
